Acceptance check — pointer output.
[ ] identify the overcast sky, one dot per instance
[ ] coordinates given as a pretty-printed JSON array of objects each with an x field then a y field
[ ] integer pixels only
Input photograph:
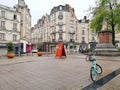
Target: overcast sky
[{"x": 39, "y": 8}]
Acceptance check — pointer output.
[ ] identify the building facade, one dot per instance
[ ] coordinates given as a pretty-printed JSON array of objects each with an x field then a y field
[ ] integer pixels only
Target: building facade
[
  {"x": 117, "y": 39},
  {"x": 25, "y": 26},
  {"x": 61, "y": 25},
  {"x": 15, "y": 26},
  {"x": 9, "y": 26}
]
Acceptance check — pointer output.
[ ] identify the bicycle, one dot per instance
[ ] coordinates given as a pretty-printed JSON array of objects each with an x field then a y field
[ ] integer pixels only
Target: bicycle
[{"x": 95, "y": 69}]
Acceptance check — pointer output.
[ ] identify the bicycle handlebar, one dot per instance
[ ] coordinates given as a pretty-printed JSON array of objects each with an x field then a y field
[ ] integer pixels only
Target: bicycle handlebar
[{"x": 90, "y": 57}]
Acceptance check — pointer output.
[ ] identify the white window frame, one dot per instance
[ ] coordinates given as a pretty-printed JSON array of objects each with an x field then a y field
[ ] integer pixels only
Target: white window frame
[
  {"x": 14, "y": 26},
  {"x": 14, "y": 37},
  {"x": 2, "y": 36},
  {"x": 2, "y": 25}
]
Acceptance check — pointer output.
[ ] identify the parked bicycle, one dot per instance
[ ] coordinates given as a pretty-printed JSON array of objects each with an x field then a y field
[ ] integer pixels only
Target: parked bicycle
[{"x": 95, "y": 69}]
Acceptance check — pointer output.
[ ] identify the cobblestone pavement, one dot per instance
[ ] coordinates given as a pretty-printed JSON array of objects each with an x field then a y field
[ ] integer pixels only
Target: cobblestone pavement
[{"x": 50, "y": 73}]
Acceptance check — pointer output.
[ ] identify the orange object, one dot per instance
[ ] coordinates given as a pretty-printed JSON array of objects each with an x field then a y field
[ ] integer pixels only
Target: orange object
[
  {"x": 10, "y": 55},
  {"x": 39, "y": 53},
  {"x": 60, "y": 50}
]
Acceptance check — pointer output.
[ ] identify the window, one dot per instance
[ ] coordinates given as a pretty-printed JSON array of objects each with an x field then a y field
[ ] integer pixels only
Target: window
[
  {"x": 60, "y": 7},
  {"x": 15, "y": 17},
  {"x": 14, "y": 37},
  {"x": 54, "y": 20},
  {"x": 60, "y": 23},
  {"x": 60, "y": 28},
  {"x": 71, "y": 27},
  {"x": 14, "y": 26},
  {"x": 60, "y": 16},
  {"x": 83, "y": 38},
  {"x": 60, "y": 36},
  {"x": 83, "y": 25},
  {"x": 83, "y": 32},
  {"x": 2, "y": 36},
  {"x": 71, "y": 36},
  {"x": 71, "y": 22},
  {"x": 3, "y": 14},
  {"x": 2, "y": 24}
]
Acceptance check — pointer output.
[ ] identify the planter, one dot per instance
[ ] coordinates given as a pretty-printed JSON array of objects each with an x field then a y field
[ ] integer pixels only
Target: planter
[
  {"x": 10, "y": 49},
  {"x": 39, "y": 53},
  {"x": 10, "y": 55}
]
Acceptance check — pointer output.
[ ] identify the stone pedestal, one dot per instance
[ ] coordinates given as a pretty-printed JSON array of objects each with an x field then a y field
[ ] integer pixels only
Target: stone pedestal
[
  {"x": 105, "y": 46},
  {"x": 105, "y": 36}
]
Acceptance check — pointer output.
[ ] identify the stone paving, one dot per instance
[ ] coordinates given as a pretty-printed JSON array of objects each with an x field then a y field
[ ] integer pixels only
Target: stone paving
[
  {"x": 114, "y": 84},
  {"x": 50, "y": 73}
]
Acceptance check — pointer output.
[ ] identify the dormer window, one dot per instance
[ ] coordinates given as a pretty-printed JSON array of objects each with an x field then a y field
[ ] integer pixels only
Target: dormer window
[
  {"x": 15, "y": 17},
  {"x": 60, "y": 7}
]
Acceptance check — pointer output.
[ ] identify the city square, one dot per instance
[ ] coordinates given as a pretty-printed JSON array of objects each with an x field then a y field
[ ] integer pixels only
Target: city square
[
  {"x": 49, "y": 73},
  {"x": 45, "y": 44}
]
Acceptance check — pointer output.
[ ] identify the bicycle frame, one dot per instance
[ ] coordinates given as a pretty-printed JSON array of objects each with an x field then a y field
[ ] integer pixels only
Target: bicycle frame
[
  {"x": 95, "y": 67},
  {"x": 91, "y": 58}
]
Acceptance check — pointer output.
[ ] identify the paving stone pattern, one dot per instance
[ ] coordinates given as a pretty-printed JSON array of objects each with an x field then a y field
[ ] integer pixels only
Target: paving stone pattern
[{"x": 50, "y": 73}]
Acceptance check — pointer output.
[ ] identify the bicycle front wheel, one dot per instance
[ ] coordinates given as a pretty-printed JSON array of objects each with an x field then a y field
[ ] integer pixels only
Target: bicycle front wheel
[
  {"x": 99, "y": 69},
  {"x": 93, "y": 74}
]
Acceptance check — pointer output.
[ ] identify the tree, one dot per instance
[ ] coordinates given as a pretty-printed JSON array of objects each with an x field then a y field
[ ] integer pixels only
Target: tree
[
  {"x": 40, "y": 46},
  {"x": 108, "y": 11},
  {"x": 10, "y": 47}
]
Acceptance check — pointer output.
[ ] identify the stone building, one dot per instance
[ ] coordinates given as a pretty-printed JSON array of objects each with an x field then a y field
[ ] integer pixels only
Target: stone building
[
  {"x": 25, "y": 24},
  {"x": 9, "y": 26},
  {"x": 61, "y": 25},
  {"x": 15, "y": 26}
]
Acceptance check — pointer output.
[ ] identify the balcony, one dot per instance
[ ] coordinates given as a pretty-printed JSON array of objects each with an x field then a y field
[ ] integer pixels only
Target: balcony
[
  {"x": 71, "y": 31},
  {"x": 71, "y": 40},
  {"x": 53, "y": 32},
  {"x": 83, "y": 41},
  {"x": 60, "y": 40},
  {"x": 53, "y": 40},
  {"x": 61, "y": 31}
]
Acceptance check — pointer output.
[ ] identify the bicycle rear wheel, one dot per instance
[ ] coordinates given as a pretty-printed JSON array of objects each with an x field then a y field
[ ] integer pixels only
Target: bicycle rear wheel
[
  {"x": 99, "y": 69},
  {"x": 93, "y": 74}
]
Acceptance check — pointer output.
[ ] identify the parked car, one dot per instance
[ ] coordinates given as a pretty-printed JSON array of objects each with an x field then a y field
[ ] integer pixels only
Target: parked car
[{"x": 34, "y": 51}]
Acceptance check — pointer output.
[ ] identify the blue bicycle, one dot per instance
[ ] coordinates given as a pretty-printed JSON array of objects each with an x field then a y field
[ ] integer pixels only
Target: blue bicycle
[{"x": 96, "y": 69}]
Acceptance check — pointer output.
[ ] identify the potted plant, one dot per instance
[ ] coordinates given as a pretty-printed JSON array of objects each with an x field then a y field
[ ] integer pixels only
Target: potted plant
[
  {"x": 39, "y": 48},
  {"x": 10, "y": 50}
]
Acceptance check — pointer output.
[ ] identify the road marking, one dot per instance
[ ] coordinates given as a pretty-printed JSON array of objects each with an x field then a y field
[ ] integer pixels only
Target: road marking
[{"x": 102, "y": 81}]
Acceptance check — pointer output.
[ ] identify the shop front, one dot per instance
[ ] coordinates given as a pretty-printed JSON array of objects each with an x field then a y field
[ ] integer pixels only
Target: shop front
[{"x": 3, "y": 48}]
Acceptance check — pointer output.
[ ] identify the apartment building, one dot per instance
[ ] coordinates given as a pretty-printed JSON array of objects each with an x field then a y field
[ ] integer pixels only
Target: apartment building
[
  {"x": 61, "y": 25},
  {"x": 9, "y": 26},
  {"x": 15, "y": 26},
  {"x": 25, "y": 26}
]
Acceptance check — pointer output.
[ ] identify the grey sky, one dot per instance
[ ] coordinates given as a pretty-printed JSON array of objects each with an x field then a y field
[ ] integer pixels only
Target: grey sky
[{"x": 39, "y": 8}]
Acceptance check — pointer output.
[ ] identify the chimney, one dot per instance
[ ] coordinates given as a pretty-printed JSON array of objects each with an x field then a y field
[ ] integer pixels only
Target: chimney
[{"x": 67, "y": 5}]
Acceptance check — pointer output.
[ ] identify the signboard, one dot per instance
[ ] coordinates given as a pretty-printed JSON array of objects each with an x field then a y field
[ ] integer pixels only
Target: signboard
[{"x": 60, "y": 50}]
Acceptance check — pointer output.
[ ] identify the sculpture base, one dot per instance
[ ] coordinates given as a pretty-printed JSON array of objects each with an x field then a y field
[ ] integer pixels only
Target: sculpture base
[{"x": 106, "y": 49}]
